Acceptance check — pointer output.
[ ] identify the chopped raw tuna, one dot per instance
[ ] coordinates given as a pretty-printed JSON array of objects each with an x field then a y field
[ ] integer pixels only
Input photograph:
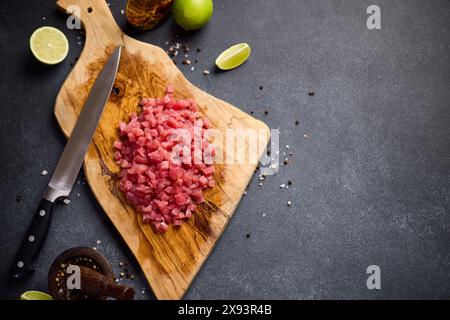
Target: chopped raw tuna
[{"x": 160, "y": 175}]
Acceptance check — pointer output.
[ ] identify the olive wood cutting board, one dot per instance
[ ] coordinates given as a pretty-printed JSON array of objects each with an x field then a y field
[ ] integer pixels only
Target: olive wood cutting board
[{"x": 171, "y": 260}]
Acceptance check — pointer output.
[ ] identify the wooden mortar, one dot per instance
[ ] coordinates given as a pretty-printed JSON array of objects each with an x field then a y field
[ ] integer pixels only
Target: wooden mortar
[{"x": 96, "y": 284}]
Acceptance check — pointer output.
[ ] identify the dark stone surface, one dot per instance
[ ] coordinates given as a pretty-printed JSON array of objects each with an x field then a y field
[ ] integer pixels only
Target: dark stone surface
[{"x": 371, "y": 182}]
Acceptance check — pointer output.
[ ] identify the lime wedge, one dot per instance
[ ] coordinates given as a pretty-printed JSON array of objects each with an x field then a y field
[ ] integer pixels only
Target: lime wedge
[
  {"x": 35, "y": 295},
  {"x": 233, "y": 57},
  {"x": 49, "y": 45}
]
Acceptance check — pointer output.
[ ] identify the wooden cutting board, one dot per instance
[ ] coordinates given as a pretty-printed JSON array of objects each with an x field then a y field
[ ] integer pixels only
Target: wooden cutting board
[{"x": 171, "y": 260}]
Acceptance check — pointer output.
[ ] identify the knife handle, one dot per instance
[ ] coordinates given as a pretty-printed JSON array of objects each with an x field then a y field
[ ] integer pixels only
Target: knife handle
[{"x": 32, "y": 242}]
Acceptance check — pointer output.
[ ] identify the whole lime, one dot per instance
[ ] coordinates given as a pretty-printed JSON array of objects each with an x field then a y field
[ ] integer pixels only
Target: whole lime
[{"x": 192, "y": 14}]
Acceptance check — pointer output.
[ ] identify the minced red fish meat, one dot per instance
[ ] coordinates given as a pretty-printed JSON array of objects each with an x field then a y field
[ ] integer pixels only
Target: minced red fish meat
[{"x": 158, "y": 174}]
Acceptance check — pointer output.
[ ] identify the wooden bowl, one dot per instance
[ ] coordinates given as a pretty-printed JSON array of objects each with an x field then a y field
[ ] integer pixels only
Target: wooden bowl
[{"x": 100, "y": 261}]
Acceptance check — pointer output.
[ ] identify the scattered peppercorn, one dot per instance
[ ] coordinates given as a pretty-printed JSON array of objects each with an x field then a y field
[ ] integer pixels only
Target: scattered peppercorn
[
  {"x": 297, "y": 123},
  {"x": 290, "y": 182},
  {"x": 248, "y": 235},
  {"x": 266, "y": 112},
  {"x": 18, "y": 198},
  {"x": 261, "y": 87},
  {"x": 199, "y": 49},
  {"x": 311, "y": 93}
]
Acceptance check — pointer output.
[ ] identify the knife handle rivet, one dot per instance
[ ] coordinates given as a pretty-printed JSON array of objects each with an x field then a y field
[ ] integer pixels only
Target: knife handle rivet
[
  {"x": 31, "y": 238},
  {"x": 20, "y": 264},
  {"x": 42, "y": 213}
]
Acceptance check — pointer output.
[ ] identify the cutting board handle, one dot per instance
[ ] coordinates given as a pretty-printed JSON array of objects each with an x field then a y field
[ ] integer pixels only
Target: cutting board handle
[{"x": 96, "y": 18}]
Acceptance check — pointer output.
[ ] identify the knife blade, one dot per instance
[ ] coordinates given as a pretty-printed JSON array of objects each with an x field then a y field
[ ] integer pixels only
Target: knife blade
[{"x": 67, "y": 168}]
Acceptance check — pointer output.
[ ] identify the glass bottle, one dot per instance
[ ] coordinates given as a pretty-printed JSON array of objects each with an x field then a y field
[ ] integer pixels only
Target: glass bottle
[{"x": 147, "y": 14}]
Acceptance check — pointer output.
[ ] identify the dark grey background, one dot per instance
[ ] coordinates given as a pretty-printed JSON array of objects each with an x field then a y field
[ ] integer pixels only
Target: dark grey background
[{"x": 371, "y": 181}]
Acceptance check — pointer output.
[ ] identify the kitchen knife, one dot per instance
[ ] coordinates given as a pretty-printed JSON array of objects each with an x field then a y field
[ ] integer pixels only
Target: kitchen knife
[{"x": 67, "y": 168}]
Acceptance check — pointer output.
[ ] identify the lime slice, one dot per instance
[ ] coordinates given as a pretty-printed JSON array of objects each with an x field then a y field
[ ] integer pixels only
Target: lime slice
[
  {"x": 49, "y": 45},
  {"x": 233, "y": 57},
  {"x": 35, "y": 295}
]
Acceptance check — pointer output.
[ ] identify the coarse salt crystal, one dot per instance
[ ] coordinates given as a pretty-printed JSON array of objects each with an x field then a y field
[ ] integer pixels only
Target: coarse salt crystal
[
  {"x": 44, "y": 172},
  {"x": 66, "y": 201}
]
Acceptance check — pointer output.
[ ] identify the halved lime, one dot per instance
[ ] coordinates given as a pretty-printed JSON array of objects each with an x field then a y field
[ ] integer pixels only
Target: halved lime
[
  {"x": 233, "y": 57},
  {"x": 35, "y": 295},
  {"x": 49, "y": 45}
]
